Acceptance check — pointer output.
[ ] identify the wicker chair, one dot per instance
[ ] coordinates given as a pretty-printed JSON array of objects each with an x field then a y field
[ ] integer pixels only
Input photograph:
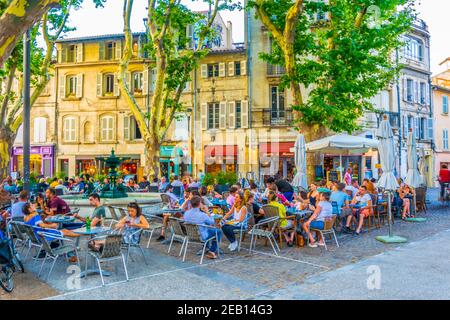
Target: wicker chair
[
  {"x": 265, "y": 228},
  {"x": 55, "y": 253},
  {"x": 327, "y": 230},
  {"x": 421, "y": 196},
  {"x": 193, "y": 236},
  {"x": 272, "y": 211},
  {"x": 112, "y": 250}
]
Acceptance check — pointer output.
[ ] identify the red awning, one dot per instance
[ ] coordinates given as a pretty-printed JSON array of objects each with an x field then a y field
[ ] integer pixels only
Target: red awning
[
  {"x": 281, "y": 149},
  {"x": 221, "y": 151}
]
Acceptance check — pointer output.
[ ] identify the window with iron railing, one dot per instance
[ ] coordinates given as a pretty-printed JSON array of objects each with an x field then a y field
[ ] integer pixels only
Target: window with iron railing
[{"x": 275, "y": 70}]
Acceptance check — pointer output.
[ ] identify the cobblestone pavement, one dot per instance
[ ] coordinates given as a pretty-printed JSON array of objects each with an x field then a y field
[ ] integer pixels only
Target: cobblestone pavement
[{"x": 234, "y": 276}]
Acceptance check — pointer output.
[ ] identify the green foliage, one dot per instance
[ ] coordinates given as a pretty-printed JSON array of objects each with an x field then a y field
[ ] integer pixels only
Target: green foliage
[
  {"x": 231, "y": 178},
  {"x": 221, "y": 178},
  {"x": 60, "y": 175},
  {"x": 208, "y": 180},
  {"x": 33, "y": 178},
  {"x": 343, "y": 76}
]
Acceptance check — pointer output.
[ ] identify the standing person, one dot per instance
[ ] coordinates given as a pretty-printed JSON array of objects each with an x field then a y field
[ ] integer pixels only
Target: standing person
[
  {"x": 348, "y": 177},
  {"x": 353, "y": 188},
  {"x": 196, "y": 216},
  {"x": 444, "y": 177},
  {"x": 283, "y": 187},
  {"x": 99, "y": 214}
]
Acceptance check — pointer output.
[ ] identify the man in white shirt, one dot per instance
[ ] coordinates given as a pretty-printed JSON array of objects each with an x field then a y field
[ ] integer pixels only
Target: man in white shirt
[{"x": 364, "y": 200}]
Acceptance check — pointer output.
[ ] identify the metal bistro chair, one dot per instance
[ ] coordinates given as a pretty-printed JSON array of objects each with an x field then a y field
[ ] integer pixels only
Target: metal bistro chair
[
  {"x": 55, "y": 253},
  {"x": 421, "y": 195},
  {"x": 20, "y": 234},
  {"x": 265, "y": 228},
  {"x": 327, "y": 230},
  {"x": 165, "y": 199},
  {"x": 34, "y": 242},
  {"x": 193, "y": 235},
  {"x": 154, "y": 221},
  {"x": 112, "y": 250},
  {"x": 178, "y": 232},
  {"x": 128, "y": 246},
  {"x": 243, "y": 229}
]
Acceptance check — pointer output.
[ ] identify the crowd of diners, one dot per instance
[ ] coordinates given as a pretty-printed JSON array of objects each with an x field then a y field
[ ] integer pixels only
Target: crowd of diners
[{"x": 348, "y": 200}]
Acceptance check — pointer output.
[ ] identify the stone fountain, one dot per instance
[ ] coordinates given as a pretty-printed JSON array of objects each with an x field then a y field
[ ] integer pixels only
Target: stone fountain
[{"x": 113, "y": 191}]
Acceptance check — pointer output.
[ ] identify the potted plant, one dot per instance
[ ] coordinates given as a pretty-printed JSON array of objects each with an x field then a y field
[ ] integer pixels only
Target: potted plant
[
  {"x": 222, "y": 182},
  {"x": 208, "y": 180}
]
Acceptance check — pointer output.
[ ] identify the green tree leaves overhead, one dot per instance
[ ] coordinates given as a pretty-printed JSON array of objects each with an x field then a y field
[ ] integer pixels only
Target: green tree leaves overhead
[{"x": 342, "y": 52}]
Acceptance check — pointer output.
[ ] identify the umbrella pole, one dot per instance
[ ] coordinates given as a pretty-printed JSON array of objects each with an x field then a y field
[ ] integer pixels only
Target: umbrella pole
[
  {"x": 340, "y": 167},
  {"x": 390, "y": 214},
  {"x": 390, "y": 238}
]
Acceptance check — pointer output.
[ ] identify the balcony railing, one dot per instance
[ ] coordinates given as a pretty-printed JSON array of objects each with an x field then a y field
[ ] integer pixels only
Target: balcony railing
[
  {"x": 278, "y": 118},
  {"x": 275, "y": 70}
]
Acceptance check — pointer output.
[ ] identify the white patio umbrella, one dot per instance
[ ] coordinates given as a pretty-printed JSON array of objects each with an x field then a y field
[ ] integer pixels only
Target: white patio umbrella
[
  {"x": 342, "y": 144},
  {"x": 388, "y": 182},
  {"x": 412, "y": 178},
  {"x": 300, "y": 163},
  {"x": 422, "y": 166}
]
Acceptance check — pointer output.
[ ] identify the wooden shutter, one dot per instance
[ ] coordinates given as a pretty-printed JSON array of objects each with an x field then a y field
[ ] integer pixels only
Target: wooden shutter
[
  {"x": 153, "y": 80},
  {"x": 118, "y": 53},
  {"x": 36, "y": 130},
  {"x": 101, "y": 51},
  {"x": 430, "y": 129},
  {"x": 63, "y": 54},
  {"x": 223, "y": 115},
  {"x": 231, "y": 69},
  {"x": 405, "y": 89},
  {"x": 99, "y": 84},
  {"x": 232, "y": 114},
  {"x": 244, "y": 114},
  {"x": 417, "y": 128},
  {"x": 79, "y": 89},
  {"x": 405, "y": 126},
  {"x": 62, "y": 86},
  {"x": 145, "y": 82},
  {"x": 103, "y": 127},
  {"x": 222, "y": 69},
  {"x": 126, "y": 128},
  {"x": 111, "y": 128},
  {"x": 416, "y": 92},
  {"x": 204, "y": 115},
  {"x": 116, "y": 85},
  {"x": 204, "y": 68},
  {"x": 80, "y": 52},
  {"x": 243, "y": 67}
]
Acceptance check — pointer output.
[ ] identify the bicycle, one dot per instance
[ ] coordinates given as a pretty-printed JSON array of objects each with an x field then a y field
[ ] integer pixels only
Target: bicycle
[{"x": 9, "y": 260}]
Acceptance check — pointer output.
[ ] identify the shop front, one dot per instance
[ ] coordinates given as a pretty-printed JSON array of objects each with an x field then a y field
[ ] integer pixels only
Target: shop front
[
  {"x": 221, "y": 158},
  {"x": 89, "y": 165},
  {"x": 41, "y": 160},
  {"x": 173, "y": 161},
  {"x": 276, "y": 159}
]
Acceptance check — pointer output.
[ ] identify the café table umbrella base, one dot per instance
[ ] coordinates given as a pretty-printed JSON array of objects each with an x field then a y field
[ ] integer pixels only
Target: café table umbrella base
[
  {"x": 391, "y": 239},
  {"x": 416, "y": 219},
  {"x": 91, "y": 272}
]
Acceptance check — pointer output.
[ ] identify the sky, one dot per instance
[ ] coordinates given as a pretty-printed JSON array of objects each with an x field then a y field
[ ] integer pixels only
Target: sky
[{"x": 91, "y": 21}]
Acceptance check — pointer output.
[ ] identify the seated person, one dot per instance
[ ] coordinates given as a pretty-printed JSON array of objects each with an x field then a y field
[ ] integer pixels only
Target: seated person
[
  {"x": 99, "y": 213},
  {"x": 231, "y": 197},
  {"x": 284, "y": 223},
  {"x": 172, "y": 197},
  {"x": 55, "y": 205},
  {"x": 254, "y": 208},
  {"x": 133, "y": 222},
  {"x": 41, "y": 204},
  {"x": 33, "y": 219},
  {"x": 17, "y": 208},
  {"x": 238, "y": 214},
  {"x": 323, "y": 211},
  {"x": 255, "y": 191},
  {"x": 340, "y": 197},
  {"x": 312, "y": 196},
  {"x": 281, "y": 198},
  {"x": 403, "y": 192},
  {"x": 364, "y": 200},
  {"x": 212, "y": 193},
  {"x": 196, "y": 216},
  {"x": 204, "y": 195},
  {"x": 369, "y": 186}
]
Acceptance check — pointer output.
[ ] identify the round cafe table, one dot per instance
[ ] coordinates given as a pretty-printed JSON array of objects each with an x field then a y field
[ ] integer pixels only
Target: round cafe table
[
  {"x": 60, "y": 219},
  {"x": 91, "y": 233}
]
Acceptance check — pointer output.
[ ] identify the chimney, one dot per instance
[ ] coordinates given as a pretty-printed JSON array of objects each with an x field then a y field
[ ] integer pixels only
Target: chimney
[{"x": 229, "y": 35}]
